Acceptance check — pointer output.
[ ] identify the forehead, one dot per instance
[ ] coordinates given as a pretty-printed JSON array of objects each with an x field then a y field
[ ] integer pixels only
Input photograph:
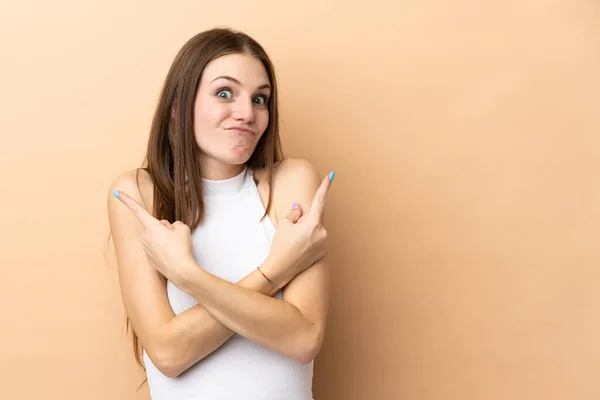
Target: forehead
[{"x": 243, "y": 67}]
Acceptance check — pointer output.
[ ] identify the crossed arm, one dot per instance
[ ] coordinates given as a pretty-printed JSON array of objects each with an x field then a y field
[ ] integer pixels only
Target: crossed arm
[{"x": 293, "y": 326}]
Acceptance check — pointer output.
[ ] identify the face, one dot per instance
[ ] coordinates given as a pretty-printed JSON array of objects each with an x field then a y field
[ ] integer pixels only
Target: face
[{"x": 231, "y": 111}]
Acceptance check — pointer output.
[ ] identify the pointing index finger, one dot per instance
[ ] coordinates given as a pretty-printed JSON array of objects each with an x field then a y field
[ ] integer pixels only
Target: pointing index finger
[
  {"x": 137, "y": 209},
  {"x": 318, "y": 203}
]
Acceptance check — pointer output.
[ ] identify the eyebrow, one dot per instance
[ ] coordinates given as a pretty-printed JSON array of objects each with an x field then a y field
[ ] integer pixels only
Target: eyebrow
[{"x": 229, "y": 78}]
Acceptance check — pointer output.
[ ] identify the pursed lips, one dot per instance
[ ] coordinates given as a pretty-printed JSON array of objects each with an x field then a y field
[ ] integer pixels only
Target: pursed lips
[{"x": 241, "y": 130}]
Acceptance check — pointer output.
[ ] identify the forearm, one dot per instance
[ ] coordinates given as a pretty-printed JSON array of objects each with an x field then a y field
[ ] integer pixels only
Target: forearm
[
  {"x": 267, "y": 321},
  {"x": 195, "y": 333}
]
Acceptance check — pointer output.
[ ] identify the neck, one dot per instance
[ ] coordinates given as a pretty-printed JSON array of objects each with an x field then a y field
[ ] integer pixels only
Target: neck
[{"x": 217, "y": 171}]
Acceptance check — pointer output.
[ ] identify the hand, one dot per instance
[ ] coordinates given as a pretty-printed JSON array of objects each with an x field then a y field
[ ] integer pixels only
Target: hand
[
  {"x": 168, "y": 246},
  {"x": 299, "y": 240}
]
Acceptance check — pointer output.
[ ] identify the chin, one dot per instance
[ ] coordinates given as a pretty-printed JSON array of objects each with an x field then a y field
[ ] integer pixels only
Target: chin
[
  {"x": 236, "y": 155},
  {"x": 240, "y": 155}
]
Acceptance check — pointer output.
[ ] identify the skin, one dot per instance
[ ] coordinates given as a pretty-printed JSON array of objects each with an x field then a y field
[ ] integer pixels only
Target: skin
[
  {"x": 233, "y": 93},
  {"x": 230, "y": 118}
]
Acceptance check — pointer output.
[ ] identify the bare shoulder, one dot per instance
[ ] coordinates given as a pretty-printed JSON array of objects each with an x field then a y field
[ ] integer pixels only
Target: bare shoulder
[
  {"x": 294, "y": 175},
  {"x": 138, "y": 184},
  {"x": 295, "y": 180}
]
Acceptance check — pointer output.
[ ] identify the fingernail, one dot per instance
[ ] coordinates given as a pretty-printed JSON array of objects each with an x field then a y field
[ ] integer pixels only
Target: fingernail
[
  {"x": 331, "y": 175},
  {"x": 116, "y": 194},
  {"x": 294, "y": 206}
]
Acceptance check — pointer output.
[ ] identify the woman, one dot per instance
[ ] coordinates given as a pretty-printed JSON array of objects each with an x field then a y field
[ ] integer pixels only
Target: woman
[{"x": 219, "y": 241}]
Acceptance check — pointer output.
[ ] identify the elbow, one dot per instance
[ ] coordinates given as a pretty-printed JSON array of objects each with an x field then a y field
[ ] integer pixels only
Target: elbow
[
  {"x": 306, "y": 357},
  {"x": 307, "y": 352},
  {"x": 169, "y": 370},
  {"x": 167, "y": 362}
]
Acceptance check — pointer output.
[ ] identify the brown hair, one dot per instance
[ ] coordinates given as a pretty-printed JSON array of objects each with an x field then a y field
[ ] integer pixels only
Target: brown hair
[{"x": 171, "y": 157}]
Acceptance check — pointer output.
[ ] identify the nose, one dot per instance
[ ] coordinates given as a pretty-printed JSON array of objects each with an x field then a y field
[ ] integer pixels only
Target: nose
[{"x": 243, "y": 110}]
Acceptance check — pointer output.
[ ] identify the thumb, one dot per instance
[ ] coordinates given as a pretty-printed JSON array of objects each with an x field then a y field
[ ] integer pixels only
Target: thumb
[
  {"x": 295, "y": 214},
  {"x": 167, "y": 224}
]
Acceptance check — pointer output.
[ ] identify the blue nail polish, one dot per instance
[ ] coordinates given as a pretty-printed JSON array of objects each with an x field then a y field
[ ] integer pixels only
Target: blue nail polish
[
  {"x": 331, "y": 175},
  {"x": 295, "y": 205},
  {"x": 116, "y": 194}
]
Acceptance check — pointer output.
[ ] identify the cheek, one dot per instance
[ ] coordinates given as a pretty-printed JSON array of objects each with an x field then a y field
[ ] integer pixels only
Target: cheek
[
  {"x": 209, "y": 116},
  {"x": 262, "y": 120}
]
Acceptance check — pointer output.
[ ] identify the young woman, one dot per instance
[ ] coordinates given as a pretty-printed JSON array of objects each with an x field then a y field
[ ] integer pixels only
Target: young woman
[{"x": 218, "y": 239}]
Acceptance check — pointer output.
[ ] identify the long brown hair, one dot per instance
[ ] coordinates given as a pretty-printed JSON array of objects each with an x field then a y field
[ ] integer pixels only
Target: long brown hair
[{"x": 171, "y": 157}]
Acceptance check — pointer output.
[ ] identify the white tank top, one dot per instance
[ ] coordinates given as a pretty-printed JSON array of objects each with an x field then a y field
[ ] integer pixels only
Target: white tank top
[{"x": 230, "y": 243}]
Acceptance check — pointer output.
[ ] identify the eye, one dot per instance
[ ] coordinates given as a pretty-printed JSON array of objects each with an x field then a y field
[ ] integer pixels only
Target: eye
[
  {"x": 260, "y": 100},
  {"x": 224, "y": 94}
]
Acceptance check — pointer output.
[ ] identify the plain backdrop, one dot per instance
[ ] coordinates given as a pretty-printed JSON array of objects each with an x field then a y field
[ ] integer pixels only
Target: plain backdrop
[{"x": 464, "y": 219}]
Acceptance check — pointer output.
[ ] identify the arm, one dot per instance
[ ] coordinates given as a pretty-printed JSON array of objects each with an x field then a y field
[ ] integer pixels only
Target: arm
[
  {"x": 295, "y": 326},
  {"x": 173, "y": 343}
]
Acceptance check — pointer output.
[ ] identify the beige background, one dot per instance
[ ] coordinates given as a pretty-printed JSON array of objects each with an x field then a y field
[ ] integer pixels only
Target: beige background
[{"x": 464, "y": 219}]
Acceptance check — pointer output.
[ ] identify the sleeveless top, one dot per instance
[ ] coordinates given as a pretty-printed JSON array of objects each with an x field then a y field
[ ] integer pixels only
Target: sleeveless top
[{"x": 230, "y": 243}]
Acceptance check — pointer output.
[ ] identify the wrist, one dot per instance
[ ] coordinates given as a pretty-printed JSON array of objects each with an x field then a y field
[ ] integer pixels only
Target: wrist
[
  {"x": 191, "y": 276},
  {"x": 276, "y": 271}
]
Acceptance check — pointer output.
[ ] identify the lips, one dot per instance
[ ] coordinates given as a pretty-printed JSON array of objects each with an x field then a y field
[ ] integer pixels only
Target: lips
[{"x": 241, "y": 130}]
